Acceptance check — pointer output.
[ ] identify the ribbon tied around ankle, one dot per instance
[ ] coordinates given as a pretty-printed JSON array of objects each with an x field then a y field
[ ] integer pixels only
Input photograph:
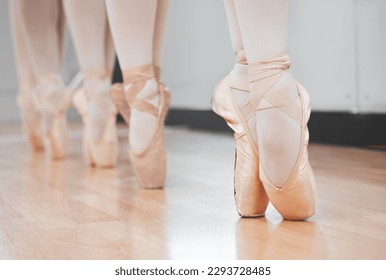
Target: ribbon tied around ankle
[
  {"x": 263, "y": 76},
  {"x": 268, "y": 68},
  {"x": 135, "y": 79}
]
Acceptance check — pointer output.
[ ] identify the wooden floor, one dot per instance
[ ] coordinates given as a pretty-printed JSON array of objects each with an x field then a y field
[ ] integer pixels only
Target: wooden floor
[{"x": 65, "y": 210}]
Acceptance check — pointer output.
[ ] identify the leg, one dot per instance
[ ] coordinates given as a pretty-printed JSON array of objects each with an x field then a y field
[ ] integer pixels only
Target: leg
[
  {"x": 282, "y": 108},
  {"x": 88, "y": 24},
  {"x": 23, "y": 61},
  {"x": 230, "y": 99},
  {"x": 109, "y": 50},
  {"x": 41, "y": 25},
  {"x": 237, "y": 44},
  {"x": 233, "y": 25},
  {"x": 159, "y": 31},
  {"x": 61, "y": 29},
  {"x": 132, "y": 26},
  {"x": 264, "y": 27},
  {"x": 30, "y": 116},
  {"x": 142, "y": 101}
]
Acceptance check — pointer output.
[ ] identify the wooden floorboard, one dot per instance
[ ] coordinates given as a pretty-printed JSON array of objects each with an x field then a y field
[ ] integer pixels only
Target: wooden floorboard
[{"x": 66, "y": 210}]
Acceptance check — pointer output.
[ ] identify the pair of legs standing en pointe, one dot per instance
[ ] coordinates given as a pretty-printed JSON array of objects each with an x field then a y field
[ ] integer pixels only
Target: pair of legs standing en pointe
[
  {"x": 137, "y": 29},
  {"x": 140, "y": 100},
  {"x": 38, "y": 28},
  {"x": 88, "y": 24},
  {"x": 143, "y": 101},
  {"x": 268, "y": 111}
]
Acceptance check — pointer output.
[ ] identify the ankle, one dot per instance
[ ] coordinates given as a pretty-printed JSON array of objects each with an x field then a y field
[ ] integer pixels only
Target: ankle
[
  {"x": 238, "y": 81},
  {"x": 49, "y": 90},
  {"x": 96, "y": 81},
  {"x": 149, "y": 90},
  {"x": 95, "y": 74},
  {"x": 239, "y": 69},
  {"x": 239, "y": 74},
  {"x": 285, "y": 80},
  {"x": 25, "y": 86},
  {"x": 141, "y": 74},
  {"x": 97, "y": 86},
  {"x": 145, "y": 82},
  {"x": 241, "y": 57},
  {"x": 50, "y": 94},
  {"x": 141, "y": 84},
  {"x": 49, "y": 79}
]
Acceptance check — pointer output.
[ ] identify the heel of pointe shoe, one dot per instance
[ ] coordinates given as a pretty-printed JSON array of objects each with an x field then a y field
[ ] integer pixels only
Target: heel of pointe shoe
[
  {"x": 35, "y": 141},
  {"x": 31, "y": 122},
  {"x": 117, "y": 94},
  {"x": 30, "y": 116},
  {"x": 52, "y": 100},
  {"x": 296, "y": 200},
  {"x": 151, "y": 176},
  {"x": 250, "y": 197},
  {"x": 295, "y": 197},
  {"x": 150, "y": 166},
  {"x": 56, "y": 140},
  {"x": 103, "y": 155},
  {"x": 220, "y": 102},
  {"x": 102, "y": 152}
]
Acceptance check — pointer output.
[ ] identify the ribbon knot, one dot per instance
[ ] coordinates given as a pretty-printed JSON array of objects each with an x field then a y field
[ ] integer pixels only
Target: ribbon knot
[{"x": 268, "y": 68}]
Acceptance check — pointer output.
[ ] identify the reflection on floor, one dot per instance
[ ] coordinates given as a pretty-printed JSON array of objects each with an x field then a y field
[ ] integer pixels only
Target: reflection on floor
[{"x": 66, "y": 210}]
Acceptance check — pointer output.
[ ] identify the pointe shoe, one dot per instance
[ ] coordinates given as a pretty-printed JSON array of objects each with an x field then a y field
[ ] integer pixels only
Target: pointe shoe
[
  {"x": 150, "y": 164},
  {"x": 93, "y": 102},
  {"x": 250, "y": 196},
  {"x": 294, "y": 196},
  {"x": 52, "y": 100},
  {"x": 31, "y": 118}
]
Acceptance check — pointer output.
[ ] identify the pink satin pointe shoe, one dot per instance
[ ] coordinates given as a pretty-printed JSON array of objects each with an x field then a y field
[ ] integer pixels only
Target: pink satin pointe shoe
[
  {"x": 282, "y": 111},
  {"x": 149, "y": 164},
  {"x": 52, "y": 100},
  {"x": 31, "y": 118},
  {"x": 93, "y": 102},
  {"x": 250, "y": 196}
]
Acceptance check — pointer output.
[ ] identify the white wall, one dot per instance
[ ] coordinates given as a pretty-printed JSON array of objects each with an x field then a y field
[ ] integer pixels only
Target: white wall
[
  {"x": 198, "y": 52},
  {"x": 339, "y": 52},
  {"x": 322, "y": 45},
  {"x": 8, "y": 81},
  {"x": 372, "y": 55},
  {"x": 337, "y": 48}
]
